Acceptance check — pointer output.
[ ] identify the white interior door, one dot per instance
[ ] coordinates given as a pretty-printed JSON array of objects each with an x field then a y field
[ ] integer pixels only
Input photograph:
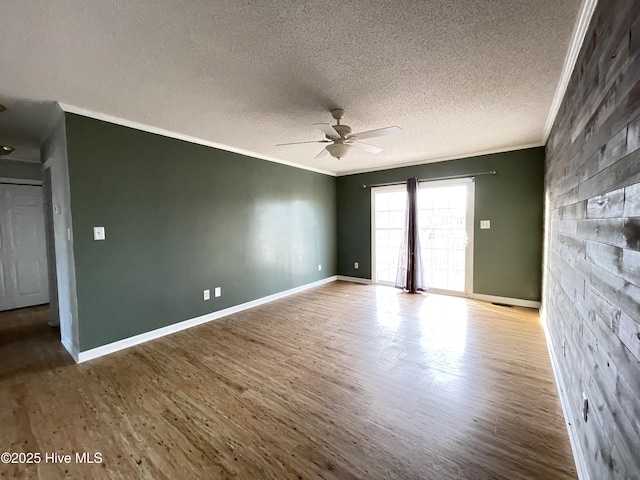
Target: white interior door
[
  {"x": 445, "y": 217},
  {"x": 23, "y": 254}
]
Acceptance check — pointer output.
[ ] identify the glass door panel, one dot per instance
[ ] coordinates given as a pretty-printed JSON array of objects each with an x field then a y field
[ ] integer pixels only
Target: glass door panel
[
  {"x": 445, "y": 224},
  {"x": 389, "y": 205}
]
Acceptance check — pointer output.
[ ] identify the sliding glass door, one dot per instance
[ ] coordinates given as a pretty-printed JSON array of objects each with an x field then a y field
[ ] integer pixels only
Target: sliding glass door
[
  {"x": 388, "y": 207},
  {"x": 445, "y": 217}
]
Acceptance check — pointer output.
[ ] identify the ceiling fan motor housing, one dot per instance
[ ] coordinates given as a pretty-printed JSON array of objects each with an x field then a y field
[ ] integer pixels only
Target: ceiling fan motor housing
[{"x": 343, "y": 130}]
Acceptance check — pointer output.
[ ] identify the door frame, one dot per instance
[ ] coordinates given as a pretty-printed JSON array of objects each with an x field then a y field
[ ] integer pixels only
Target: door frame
[
  {"x": 47, "y": 191},
  {"x": 469, "y": 225}
]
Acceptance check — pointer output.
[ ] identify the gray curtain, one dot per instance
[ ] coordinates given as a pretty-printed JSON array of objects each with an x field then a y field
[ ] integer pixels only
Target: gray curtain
[{"x": 410, "y": 276}]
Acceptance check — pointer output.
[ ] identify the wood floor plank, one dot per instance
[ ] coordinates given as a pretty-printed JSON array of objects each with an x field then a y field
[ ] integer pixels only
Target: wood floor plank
[{"x": 344, "y": 381}]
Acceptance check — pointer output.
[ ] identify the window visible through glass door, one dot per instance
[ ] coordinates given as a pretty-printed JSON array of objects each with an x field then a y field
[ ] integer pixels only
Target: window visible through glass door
[
  {"x": 445, "y": 212},
  {"x": 388, "y": 206}
]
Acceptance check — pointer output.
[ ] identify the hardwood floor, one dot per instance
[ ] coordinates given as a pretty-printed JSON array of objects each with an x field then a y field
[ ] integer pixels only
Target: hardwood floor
[{"x": 342, "y": 381}]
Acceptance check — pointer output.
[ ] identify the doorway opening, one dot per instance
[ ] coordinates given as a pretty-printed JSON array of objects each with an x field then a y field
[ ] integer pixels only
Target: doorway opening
[{"x": 445, "y": 218}]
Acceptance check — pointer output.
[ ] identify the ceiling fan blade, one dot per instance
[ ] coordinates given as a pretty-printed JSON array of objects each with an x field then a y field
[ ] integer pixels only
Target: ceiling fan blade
[
  {"x": 298, "y": 143},
  {"x": 367, "y": 147},
  {"x": 322, "y": 153},
  {"x": 327, "y": 129},
  {"x": 379, "y": 132}
]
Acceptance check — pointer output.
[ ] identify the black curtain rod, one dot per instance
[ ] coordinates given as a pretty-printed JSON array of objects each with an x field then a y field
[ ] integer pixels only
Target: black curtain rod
[{"x": 450, "y": 177}]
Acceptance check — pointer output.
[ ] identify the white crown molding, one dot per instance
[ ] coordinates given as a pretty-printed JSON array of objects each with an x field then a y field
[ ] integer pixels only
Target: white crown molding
[
  {"x": 176, "y": 327},
  {"x": 187, "y": 138},
  {"x": 442, "y": 159},
  {"x": 579, "y": 32}
]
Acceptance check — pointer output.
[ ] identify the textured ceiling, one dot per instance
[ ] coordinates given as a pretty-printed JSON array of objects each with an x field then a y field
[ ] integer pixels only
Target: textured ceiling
[{"x": 459, "y": 77}]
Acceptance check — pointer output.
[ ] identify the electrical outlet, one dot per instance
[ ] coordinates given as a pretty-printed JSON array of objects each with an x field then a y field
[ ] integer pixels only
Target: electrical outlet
[
  {"x": 355, "y": 265},
  {"x": 98, "y": 233},
  {"x": 207, "y": 294},
  {"x": 319, "y": 267},
  {"x": 485, "y": 224},
  {"x": 217, "y": 292}
]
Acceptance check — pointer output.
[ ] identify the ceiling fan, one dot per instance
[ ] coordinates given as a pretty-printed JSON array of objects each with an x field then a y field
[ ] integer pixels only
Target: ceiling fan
[{"x": 340, "y": 138}]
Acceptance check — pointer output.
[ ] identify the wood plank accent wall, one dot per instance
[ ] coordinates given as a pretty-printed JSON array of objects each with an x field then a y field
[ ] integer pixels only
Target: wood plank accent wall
[{"x": 591, "y": 298}]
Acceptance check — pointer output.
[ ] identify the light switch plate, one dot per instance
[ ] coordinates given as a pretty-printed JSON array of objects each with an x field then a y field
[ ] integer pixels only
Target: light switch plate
[
  {"x": 485, "y": 224},
  {"x": 98, "y": 233},
  {"x": 207, "y": 294},
  {"x": 217, "y": 292}
]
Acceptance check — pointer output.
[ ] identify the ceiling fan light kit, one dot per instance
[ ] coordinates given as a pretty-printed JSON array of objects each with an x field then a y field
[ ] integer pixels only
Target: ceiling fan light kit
[
  {"x": 341, "y": 139},
  {"x": 5, "y": 149},
  {"x": 338, "y": 150}
]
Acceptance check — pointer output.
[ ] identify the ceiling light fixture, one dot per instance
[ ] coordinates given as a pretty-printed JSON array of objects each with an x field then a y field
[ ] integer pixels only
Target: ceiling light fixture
[
  {"x": 338, "y": 149},
  {"x": 341, "y": 139},
  {"x": 6, "y": 150}
]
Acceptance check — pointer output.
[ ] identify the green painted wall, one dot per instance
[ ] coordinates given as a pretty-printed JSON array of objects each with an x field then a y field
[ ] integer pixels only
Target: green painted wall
[
  {"x": 507, "y": 258},
  {"x": 180, "y": 218},
  {"x": 21, "y": 170}
]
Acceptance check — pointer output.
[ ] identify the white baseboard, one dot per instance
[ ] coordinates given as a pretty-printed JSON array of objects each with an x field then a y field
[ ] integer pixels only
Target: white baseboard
[
  {"x": 578, "y": 456},
  {"x": 364, "y": 281},
  {"x": 517, "y": 302},
  {"x": 68, "y": 345},
  {"x": 176, "y": 327}
]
